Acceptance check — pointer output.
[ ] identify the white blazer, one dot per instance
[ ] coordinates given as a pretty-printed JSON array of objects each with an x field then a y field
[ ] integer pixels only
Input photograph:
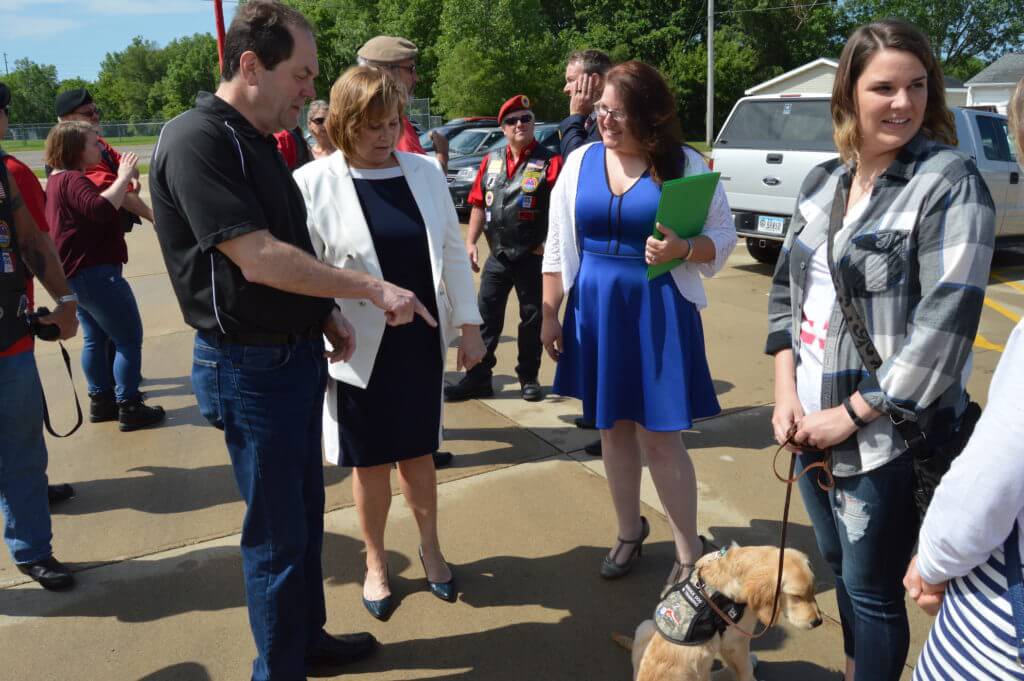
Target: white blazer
[
  {"x": 342, "y": 238},
  {"x": 562, "y": 250}
]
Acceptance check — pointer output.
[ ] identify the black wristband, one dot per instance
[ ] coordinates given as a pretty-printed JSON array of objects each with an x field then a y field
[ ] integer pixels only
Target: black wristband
[{"x": 857, "y": 421}]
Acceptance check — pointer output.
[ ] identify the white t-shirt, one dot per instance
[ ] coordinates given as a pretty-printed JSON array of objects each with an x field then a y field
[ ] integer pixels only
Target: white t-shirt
[{"x": 819, "y": 302}]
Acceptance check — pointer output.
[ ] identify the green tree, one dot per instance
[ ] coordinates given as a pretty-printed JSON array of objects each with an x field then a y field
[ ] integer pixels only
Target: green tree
[
  {"x": 341, "y": 27},
  {"x": 33, "y": 89},
  {"x": 191, "y": 66},
  {"x": 489, "y": 50},
  {"x": 123, "y": 89},
  {"x": 959, "y": 30}
]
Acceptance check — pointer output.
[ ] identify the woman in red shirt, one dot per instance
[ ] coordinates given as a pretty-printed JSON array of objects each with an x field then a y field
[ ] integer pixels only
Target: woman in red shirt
[{"x": 90, "y": 241}]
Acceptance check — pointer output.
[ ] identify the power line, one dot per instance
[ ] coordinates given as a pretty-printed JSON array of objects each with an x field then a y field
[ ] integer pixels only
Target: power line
[{"x": 768, "y": 9}]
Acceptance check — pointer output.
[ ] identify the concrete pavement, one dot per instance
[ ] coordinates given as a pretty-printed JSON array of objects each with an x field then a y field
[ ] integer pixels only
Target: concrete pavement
[{"x": 525, "y": 519}]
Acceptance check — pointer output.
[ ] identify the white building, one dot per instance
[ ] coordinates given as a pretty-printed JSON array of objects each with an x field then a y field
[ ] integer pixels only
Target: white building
[
  {"x": 816, "y": 77},
  {"x": 995, "y": 83}
]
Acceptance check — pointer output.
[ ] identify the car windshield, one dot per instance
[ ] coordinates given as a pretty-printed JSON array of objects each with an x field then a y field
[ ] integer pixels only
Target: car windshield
[
  {"x": 466, "y": 141},
  {"x": 798, "y": 125}
]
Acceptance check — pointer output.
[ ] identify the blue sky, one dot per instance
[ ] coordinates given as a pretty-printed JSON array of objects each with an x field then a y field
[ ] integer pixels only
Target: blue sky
[{"x": 75, "y": 35}]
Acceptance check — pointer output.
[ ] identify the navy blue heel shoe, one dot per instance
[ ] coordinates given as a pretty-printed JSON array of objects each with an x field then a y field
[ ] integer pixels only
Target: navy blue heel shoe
[
  {"x": 379, "y": 609},
  {"x": 443, "y": 590}
]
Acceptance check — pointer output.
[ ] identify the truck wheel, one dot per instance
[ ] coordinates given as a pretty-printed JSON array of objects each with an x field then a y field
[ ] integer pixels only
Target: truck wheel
[{"x": 763, "y": 250}]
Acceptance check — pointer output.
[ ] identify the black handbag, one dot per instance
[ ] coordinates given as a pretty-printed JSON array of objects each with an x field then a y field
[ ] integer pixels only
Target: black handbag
[{"x": 932, "y": 455}]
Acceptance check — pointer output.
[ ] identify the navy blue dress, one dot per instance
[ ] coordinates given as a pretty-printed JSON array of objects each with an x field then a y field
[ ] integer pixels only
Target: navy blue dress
[
  {"x": 398, "y": 415},
  {"x": 633, "y": 348}
]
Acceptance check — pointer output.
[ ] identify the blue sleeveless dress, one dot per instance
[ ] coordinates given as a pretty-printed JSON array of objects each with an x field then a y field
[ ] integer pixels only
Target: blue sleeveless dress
[{"x": 633, "y": 349}]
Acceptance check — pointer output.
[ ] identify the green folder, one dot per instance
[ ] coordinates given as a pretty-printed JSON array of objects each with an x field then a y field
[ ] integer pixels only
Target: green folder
[{"x": 683, "y": 209}]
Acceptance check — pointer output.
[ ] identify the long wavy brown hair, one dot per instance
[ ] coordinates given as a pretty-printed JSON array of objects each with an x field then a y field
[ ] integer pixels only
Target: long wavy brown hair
[
  {"x": 651, "y": 117},
  {"x": 862, "y": 45}
]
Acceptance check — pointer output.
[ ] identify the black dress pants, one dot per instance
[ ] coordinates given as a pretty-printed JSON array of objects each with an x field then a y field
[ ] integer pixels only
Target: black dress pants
[{"x": 499, "y": 276}]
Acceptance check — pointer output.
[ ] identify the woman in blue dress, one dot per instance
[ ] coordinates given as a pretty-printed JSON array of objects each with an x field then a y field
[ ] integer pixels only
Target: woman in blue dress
[{"x": 631, "y": 349}]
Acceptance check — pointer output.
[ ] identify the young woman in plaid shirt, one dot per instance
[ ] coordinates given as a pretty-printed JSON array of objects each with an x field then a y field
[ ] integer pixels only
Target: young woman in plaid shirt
[{"x": 912, "y": 253}]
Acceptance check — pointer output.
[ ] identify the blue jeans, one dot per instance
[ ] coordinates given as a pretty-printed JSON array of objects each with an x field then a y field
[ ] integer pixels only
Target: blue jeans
[
  {"x": 866, "y": 528},
  {"x": 108, "y": 313},
  {"x": 268, "y": 401},
  {"x": 23, "y": 498}
]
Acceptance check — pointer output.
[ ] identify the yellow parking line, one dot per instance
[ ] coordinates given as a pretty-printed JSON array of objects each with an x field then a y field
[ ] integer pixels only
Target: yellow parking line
[
  {"x": 1009, "y": 282},
  {"x": 983, "y": 343},
  {"x": 1001, "y": 309}
]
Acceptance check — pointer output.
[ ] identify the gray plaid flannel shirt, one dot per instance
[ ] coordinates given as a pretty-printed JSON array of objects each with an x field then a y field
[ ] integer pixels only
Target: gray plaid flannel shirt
[{"x": 915, "y": 264}]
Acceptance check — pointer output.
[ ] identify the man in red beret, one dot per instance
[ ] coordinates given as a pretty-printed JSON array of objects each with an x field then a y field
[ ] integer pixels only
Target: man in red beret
[{"x": 510, "y": 206}]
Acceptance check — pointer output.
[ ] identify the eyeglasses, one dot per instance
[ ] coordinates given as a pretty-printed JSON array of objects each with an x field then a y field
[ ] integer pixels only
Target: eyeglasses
[
  {"x": 318, "y": 121},
  {"x": 403, "y": 67},
  {"x": 92, "y": 112},
  {"x": 602, "y": 110},
  {"x": 512, "y": 120}
]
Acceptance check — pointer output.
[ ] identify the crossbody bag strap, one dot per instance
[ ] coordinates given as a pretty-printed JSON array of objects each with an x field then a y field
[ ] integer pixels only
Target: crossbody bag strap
[
  {"x": 908, "y": 430},
  {"x": 1015, "y": 590},
  {"x": 78, "y": 406}
]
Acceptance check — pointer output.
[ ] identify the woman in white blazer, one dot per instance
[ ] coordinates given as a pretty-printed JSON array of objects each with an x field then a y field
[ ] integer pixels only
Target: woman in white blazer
[
  {"x": 389, "y": 214},
  {"x": 633, "y": 350}
]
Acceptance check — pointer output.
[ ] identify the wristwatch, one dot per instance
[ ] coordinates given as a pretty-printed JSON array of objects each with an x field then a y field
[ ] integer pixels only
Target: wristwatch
[{"x": 69, "y": 298}]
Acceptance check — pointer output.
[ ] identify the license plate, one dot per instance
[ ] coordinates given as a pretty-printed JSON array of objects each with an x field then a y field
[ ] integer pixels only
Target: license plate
[{"x": 771, "y": 225}]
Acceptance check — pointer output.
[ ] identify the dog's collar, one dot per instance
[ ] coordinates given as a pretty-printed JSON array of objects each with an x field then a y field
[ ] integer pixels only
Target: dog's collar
[{"x": 684, "y": 616}]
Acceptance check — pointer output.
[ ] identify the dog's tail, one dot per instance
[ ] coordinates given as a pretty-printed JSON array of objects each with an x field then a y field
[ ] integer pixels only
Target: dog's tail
[{"x": 624, "y": 641}]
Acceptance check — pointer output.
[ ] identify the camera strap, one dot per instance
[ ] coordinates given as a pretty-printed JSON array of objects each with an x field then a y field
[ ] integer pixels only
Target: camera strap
[{"x": 78, "y": 405}]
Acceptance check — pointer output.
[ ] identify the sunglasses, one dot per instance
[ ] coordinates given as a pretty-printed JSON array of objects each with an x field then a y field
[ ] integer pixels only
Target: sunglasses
[
  {"x": 92, "y": 112},
  {"x": 318, "y": 121},
  {"x": 524, "y": 119}
]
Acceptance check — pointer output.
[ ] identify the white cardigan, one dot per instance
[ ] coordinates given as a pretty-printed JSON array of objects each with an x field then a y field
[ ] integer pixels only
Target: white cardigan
[
  {"x": 342, "y": 238},
  {"x": 562, "y": 230}
]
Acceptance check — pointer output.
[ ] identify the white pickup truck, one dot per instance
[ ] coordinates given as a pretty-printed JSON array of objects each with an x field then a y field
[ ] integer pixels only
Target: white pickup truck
[{"x": 770, "y": 142}]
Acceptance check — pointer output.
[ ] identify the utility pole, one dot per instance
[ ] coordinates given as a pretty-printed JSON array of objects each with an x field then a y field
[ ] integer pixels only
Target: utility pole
[
  {"x": 6, "y": 70},
  {"x": 709, "y": 124}
]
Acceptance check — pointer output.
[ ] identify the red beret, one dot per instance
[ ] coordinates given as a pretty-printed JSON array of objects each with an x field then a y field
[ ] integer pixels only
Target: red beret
[{"x": 517, "y": 103}]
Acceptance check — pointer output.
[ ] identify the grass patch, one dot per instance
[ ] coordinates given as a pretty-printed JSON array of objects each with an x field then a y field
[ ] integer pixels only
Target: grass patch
[
  {"x": 701, "y": 146},
  {"x": 143, "y": 170},
  {"x": 37, "y": 145}
]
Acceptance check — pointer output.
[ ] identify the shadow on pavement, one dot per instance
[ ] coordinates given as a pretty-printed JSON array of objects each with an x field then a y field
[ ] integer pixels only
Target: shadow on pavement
[
  {"x": 185, "y": 671},
  {"x": 165, "y": 489}
]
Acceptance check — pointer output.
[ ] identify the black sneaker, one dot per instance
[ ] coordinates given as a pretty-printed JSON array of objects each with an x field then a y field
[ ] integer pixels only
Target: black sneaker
[
  {"x": 443, "y": 459},
  {"x": 531, "y": 391},
  {"x": 102, "y": 407},
  {"x": 594, "y": 448},
  {"x": 50, "y": 573},
  {"x": 468, "y": 389},
  {"x": 58, "y": 493},
  {"x": 134, "y": 414}
]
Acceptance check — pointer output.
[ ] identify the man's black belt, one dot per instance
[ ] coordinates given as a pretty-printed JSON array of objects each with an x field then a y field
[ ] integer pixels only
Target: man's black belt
[{"x": 219, "y": 339}]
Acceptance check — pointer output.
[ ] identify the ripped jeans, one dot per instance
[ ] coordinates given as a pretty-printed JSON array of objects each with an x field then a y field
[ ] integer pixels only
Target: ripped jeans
[{"x": 866, "y": 529}]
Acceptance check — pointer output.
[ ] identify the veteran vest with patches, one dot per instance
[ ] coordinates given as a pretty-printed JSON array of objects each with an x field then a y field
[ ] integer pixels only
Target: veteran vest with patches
[
  {"x": 13, "y": 274},
  {"x": 684, "y": 617},
  {"x": 516, "y": 208}
]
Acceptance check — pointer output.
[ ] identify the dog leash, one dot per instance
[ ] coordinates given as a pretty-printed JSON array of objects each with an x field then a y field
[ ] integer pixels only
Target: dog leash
[{"x": 788, "y": 480}]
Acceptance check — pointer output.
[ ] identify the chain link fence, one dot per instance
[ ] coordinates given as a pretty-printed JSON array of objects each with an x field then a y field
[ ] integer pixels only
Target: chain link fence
[{"x": 418, "y": 112}]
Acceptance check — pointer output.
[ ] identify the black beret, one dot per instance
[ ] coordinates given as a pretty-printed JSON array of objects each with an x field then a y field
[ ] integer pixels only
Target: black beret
[
  {"x": 70, "y": 100},
  {"x": 5, "y": 95}
]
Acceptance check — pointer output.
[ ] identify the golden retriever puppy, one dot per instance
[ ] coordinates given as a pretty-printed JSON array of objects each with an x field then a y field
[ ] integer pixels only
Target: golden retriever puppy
[{"x": 746, "y": 576}]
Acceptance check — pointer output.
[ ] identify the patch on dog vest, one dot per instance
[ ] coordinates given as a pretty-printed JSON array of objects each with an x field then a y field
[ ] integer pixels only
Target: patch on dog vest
[{"x": 684, "y": 616}]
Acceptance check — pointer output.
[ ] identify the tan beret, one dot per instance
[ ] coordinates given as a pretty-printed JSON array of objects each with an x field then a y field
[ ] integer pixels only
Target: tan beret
[{"x": 387, "y": 48}]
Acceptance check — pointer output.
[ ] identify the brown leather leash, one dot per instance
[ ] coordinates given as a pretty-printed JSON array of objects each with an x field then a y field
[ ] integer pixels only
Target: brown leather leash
[{"x": 789, "y": 480}]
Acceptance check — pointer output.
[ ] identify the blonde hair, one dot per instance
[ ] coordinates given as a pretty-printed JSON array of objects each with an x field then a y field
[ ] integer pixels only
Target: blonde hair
[
  {"x": 362, "y": 94},
  {"x": 66, "y": 143},
  {"x": 865, "y": 43},
  {"x": 1015, "y": 109}
]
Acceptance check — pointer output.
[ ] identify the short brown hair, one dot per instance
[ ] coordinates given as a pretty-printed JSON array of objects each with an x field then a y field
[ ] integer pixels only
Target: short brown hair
[
  {"x": 1016, "y": 111},
  {"x": 362, "y": 94},
  {"x": 592, "y": 61},
  {"x": 651, "y": 117},
  {"x": 66, "y": 143},
  {"x": 263, "y": 27},
  {"x": 863, "y": 44}
]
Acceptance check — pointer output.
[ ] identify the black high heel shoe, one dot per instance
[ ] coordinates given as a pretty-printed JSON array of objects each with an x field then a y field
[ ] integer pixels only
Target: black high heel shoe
[
  {"x": 612, "y": 570},
  {"x": 380, "y": 609},
  {"x": 443, "y": 590}
]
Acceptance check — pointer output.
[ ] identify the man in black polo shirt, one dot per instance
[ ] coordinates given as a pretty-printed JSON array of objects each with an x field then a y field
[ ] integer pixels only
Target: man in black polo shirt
[{"x": 232, "y": 227}]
